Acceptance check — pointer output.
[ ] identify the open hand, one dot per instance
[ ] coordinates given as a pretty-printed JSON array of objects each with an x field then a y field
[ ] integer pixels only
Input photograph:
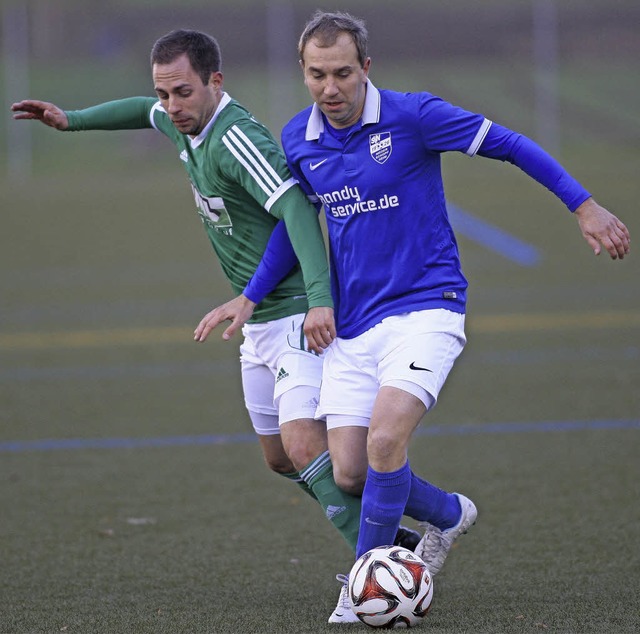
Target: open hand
[
  {"x": 43, "y": 111},
  {"x": 601, "y": 227},
  {"x": 238, "y": 311}
]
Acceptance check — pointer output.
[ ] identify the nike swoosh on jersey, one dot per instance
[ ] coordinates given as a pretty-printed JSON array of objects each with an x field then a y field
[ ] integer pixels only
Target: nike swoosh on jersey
[
  {"x": 315, "y": 166},
  {"x": 413, "y": 366}
]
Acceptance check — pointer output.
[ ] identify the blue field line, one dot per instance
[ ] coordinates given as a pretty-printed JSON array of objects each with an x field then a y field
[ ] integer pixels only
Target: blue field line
[
  {"x": 527, "y": 428},
  {"x": 493, "y": 238},
  {"x": 57, "y": 444},
  {"x": 52, "y": 444}
]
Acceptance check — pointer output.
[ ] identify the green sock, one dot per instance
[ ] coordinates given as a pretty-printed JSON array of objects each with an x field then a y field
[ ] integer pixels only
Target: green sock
[
  {"x": 295, "y": 477},
  {"x": 341, "y": 509}
]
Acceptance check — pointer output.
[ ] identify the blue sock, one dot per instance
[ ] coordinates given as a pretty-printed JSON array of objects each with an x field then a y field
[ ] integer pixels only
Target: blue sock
[
  {"x": 383, "y": 501},
  {"x": 428, "y": 503}
]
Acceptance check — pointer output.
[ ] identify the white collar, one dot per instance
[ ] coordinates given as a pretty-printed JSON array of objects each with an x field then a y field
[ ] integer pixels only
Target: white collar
[
  {"x": 370, "y": 113},
  {"x": 196, "y": 141}
]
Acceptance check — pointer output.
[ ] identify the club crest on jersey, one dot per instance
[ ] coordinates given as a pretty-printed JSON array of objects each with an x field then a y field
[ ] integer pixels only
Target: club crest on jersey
[
  {"x": 380, "y": 146},
  {"x": 213, "y": 213}
]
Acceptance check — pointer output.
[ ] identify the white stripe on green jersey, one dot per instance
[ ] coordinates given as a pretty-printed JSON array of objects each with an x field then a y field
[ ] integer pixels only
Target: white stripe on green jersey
[{"x": 247, "y": 153}]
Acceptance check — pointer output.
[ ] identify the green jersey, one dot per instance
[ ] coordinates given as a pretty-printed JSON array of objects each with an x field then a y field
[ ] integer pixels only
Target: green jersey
[{"x": 242, "y": 187}]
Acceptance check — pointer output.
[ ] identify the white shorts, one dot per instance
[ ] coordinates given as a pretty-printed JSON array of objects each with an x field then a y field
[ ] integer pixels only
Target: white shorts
[
  {"x": 413, "y": 352},
  {"x": 274, "y": 361}
]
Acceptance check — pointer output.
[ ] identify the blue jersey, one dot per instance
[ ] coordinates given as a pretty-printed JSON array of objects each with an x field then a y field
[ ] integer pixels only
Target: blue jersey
[
  {"x": 391, "y": 243},
  {"x": 393, "y": 249}
]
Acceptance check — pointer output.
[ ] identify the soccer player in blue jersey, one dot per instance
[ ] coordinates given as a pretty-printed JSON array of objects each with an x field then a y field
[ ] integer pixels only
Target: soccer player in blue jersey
[{"x": 371, "y": 158}]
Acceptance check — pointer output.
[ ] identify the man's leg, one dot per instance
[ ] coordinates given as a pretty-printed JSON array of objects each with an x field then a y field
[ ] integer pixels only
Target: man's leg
[
  {"x": 395, "y": 415},
  {"x": 347, "y": 437},
  {"x": 258, "y": 385},
  {"x": 415, "y": 353},
  {"x": 305, "y": 443},
  {"x": 393, "y": 490}
]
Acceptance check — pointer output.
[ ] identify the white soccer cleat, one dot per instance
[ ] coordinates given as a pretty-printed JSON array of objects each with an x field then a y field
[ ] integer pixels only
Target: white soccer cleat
[
  {"x": 436, "y": 544},
  {"x": 343, "y": 612}
]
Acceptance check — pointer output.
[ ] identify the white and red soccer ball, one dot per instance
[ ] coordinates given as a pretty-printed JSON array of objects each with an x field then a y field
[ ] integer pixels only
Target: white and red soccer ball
[{"x": 390, "y": 587}]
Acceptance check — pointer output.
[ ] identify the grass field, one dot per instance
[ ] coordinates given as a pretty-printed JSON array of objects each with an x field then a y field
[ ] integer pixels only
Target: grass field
[{"x": 133, "y": 498}]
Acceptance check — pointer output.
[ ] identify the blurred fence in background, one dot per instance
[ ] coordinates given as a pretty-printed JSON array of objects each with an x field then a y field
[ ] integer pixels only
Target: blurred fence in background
[{"x": 79, "y": 53}]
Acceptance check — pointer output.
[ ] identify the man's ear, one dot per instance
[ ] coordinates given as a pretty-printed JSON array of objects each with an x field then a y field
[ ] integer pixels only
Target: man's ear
[
  {"x": 366, "y": 66},
  {"x": 216, "y": 80}
]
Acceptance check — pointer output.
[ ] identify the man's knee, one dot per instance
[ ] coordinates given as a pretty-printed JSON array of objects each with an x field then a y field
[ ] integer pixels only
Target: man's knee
[
  {"x": 304, "y": 440},
  {"x": 348, "y": 448},
  {"x": 349, "y": 480},
  {"x": 275, "y": 457},
  {"x": 280, "y": 465}
]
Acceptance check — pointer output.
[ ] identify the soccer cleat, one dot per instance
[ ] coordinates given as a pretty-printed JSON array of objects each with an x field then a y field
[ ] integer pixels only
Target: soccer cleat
[
  {"x": 436, "y": 544},
  {"x": 407, "y": 538},
  {"x": 343, "y": 612}
]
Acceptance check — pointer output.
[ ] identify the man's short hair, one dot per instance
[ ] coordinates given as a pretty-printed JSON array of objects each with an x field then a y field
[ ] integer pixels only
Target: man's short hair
[
  {"x": 326, "y": 27},
  {"x": 202, "y": 50}
]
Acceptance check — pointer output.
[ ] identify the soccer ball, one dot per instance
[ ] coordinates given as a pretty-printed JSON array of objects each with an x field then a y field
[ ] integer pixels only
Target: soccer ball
[{"x": 390, "y": 586}]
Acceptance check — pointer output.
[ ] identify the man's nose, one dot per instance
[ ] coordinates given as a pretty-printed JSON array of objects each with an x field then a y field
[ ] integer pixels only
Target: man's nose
[
  {"x": 173, "y": 104},
  {"x": 330, "y": 87}
]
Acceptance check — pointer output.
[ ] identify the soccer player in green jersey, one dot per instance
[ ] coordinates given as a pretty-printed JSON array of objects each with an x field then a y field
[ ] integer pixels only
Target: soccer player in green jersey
[{"x": 242, "y": 187}]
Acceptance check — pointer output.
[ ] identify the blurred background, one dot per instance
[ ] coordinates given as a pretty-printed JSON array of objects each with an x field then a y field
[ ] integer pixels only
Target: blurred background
[
  {"x": 559, "y": 71},
  {"x": 98, "y": 230}
]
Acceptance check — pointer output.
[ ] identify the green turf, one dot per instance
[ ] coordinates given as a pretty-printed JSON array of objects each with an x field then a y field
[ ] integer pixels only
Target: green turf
[
  {"x": 165, "y": 540},
  {"x": 202, "y": 539}
]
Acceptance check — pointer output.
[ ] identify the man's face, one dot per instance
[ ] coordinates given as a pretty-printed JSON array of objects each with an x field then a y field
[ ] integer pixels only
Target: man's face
[
  {"x": 188, "y": 102},
  {"x": 335, "y": 79}
]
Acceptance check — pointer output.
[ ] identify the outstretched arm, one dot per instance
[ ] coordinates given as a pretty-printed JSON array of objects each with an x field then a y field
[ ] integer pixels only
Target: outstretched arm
[
  {"x": 43, "y": 111},
  {"x": 130, "y": 113},
  {"x": 599, "y": 227}
]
